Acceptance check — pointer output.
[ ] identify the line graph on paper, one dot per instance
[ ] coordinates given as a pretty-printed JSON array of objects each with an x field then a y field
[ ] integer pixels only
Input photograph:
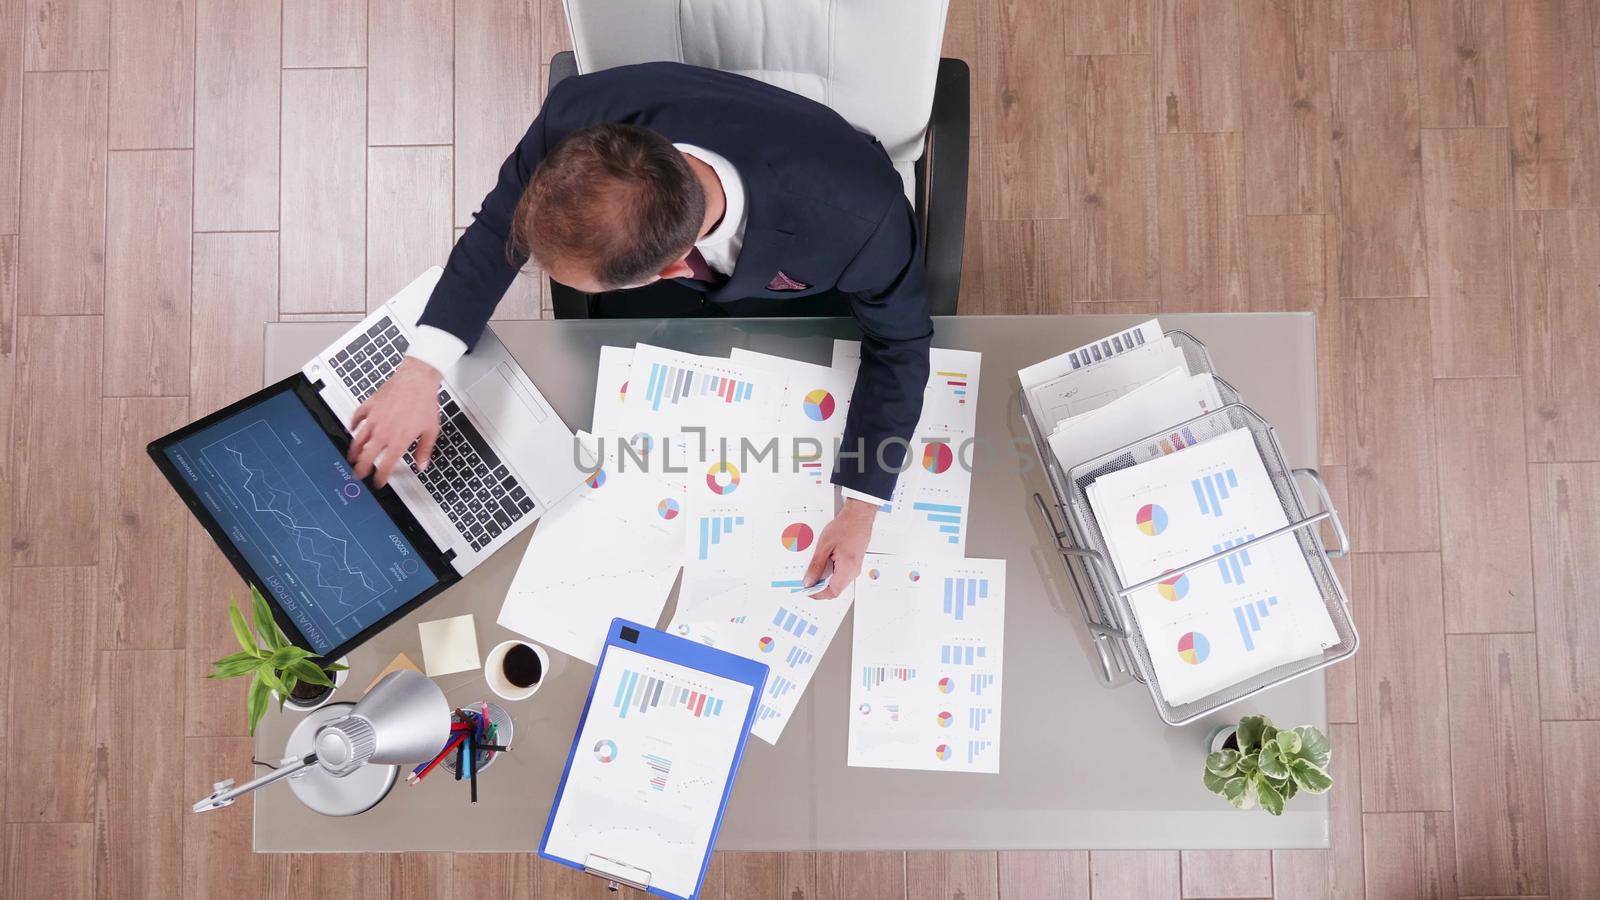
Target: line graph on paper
[{"x": 275, "y": 495}]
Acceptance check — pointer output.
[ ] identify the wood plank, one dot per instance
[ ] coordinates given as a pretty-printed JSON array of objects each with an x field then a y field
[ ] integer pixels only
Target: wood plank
[
  {"x": 324, "y": 33},
  {"x": 497, "y": 92},
  {"x": 1410, "y": 856},
  {"x": 1574, "y": 822},
  {"x": 55, "y": 441},
  {"x": 1134, "y": 874},
  {"x": 1496, "y": 763},
  {"x": 411, "y": 72},
  {"x": 1461, "y": 63},
  {"x": 1035, "y": 278},
  {"x": 11, "y": 18},
  {"x": 50, "y": 860},
  {"x": 217, "y": 859},
  {"x": 1103, "y": 27},
  {"x": 951, "y": 873},
  {"x": 1286, "y": 274},
  {"x": 64, "y": 193},
  {"x": 236, "y": 109},
  {"x": 1338, "y": 872},
  {"x": 1053, "y": 873},
  {"x": 143, "y": 551},
  {"x": 1198, "y": 84},
  {"x": 1483, "y": 507},
  {"x": 333, "y": 875},
  {"x": 1377, "y": 175},
  {"x": 1227, "y": 873},
  {"x": 875, "y": 875},
  {"x": 1202, "y": 223},
  {"x": 1374, "y": 24},
  {"x": 1391, "y": 432},
  {"x": 424, "y": 876},
  {"x": 1341, "y": 678},
  {"x": 324, "y": 193},
  {"x": 1021, "y": 99},
  {"x": 769, "y": 875},
  {"x": 1555, "y": 116},
  {"x": 67, "y": 34},
  {"x": 139, "y": 815},
  {"x": 492, "y": 876},
  {"x": 152, "y": 74},
  {"x": 1554, "y": 276},
  {"x": 1147, "y": 308},
  {"x": 1287, "y": 105},
  {"x": 408, "y": 216},
  {"x": 149, "y": 225},
  {"x": 8, "y": 391},
  {"x": 1405, "y": 723},
  {"x": 960, "y": 33},
  {"x": 1111, "y": 169},
  {"x": 1566, "y": 560},
  {"x": 52, "y": 679},
  {"x": 1464, "y": 178}
]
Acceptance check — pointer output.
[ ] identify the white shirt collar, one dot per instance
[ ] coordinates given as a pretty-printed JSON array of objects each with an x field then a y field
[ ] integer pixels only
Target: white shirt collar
[{"x": 721, "y": 245}]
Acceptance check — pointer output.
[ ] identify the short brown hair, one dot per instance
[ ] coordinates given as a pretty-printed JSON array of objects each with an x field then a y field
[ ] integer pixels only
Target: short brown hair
[{"x": 617, "y": 198}]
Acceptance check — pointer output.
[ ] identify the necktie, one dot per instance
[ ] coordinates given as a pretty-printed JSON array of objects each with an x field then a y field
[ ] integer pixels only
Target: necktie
[{"x": 699, "y": 270}]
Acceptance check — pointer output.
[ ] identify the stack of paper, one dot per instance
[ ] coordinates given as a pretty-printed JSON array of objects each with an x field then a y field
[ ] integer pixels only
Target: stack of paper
[{"x": 1247, "y": 613}]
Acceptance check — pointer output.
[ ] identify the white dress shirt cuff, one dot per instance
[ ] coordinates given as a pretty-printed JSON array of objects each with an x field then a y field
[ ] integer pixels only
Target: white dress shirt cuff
[
  {"x": 853, "y": 494},
  {"x": 436, "y": 347}
]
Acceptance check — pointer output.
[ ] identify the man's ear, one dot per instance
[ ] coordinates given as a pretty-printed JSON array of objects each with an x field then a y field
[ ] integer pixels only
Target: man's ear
[{"x": 678, "y": 268}]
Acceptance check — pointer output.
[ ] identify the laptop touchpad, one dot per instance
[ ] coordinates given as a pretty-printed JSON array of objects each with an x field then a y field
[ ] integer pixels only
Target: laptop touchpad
[{"x": 526, "y": 429}]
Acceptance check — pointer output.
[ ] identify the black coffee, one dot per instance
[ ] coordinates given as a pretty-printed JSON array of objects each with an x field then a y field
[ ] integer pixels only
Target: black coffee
[{"x": 521, "y": 666}]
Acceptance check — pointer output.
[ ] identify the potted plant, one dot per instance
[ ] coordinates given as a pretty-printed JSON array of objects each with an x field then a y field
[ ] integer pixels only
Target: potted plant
[
  {"x": 1258, "y": 763},
  {"x": 275, "y": 666}
]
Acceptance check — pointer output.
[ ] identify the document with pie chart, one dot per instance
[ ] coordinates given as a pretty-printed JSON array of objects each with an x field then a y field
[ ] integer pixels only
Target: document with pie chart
[{"x": 925, "y": 664}]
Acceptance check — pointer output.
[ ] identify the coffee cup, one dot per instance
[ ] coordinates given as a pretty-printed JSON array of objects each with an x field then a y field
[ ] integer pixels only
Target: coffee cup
[{"x": 514, "y": 670}]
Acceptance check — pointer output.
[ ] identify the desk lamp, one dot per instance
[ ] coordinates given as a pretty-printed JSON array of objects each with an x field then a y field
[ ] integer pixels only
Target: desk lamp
[{"x": 342, "y": 759}]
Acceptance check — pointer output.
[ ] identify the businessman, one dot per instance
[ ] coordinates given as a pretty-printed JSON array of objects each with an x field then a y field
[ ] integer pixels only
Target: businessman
[{"x": 670, "y": 190}]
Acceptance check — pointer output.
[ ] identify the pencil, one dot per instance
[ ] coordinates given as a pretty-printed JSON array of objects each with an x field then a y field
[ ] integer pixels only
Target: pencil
[{"x": 472, "y": 749}]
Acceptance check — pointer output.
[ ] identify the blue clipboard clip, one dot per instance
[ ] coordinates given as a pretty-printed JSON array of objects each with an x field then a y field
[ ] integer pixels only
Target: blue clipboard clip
[{"x": 689, "y": 654}]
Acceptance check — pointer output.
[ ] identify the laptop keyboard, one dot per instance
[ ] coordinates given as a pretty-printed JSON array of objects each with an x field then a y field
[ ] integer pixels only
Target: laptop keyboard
[{"x": 465, "y": 477}]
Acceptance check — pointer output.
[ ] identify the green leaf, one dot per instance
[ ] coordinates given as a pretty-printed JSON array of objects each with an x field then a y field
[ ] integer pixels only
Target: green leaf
[
  {"x": 1249, "y": 734},
  {"x": 256, "y": 703},
  {"x": 1272, "y": 762},
  {"x": 1288, "y": 742},
  {"x": 241, "y": 631},
  {"x": 1214, "y": 782},
  {"x": 283, "y": 657},
  {"x": 1240, "y": 792},
  {"x": 1314, "y": 746},
  {"x": 274, "y": 682},
  {"x": 1223, "y": 762},
  {"x": 265, "y": 627},
  {"x": 1288, "y": 789},
  {"x": 335, "y": 667},
  {"x": 1271, "y": 799},
  {"x": 1249, "y": 764},
  {"x": 234, "y": 664},
  {"x": 311, "y": 673},
  {"x": 1310, "y": 777}
]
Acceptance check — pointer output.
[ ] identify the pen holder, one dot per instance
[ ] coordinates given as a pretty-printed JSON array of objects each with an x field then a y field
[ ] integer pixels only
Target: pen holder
[{"x": 483, "y": 759}]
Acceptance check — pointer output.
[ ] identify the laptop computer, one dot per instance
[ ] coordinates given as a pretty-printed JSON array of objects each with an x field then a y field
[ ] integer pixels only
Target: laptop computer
[{"x": 337, "y": 559}]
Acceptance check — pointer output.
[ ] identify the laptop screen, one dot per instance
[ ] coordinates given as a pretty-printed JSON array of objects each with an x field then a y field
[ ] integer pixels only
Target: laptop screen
[{"x": 326, "y": 550}]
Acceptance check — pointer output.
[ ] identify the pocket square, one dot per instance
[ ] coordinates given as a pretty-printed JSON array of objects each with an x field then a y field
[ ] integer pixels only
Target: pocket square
[{"x": 782, "y": 282}]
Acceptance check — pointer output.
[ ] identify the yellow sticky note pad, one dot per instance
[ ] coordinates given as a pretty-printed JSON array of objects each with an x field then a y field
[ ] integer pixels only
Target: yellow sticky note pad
[{"x": 449, "y": 645}]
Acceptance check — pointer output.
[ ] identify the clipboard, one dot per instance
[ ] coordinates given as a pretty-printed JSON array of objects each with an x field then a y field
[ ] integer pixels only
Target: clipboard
[{"x": 686, "y": 686}]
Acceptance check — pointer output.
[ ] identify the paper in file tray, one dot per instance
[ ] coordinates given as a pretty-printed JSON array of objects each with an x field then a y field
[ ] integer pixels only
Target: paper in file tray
[{"x": 1117, "y": 638}]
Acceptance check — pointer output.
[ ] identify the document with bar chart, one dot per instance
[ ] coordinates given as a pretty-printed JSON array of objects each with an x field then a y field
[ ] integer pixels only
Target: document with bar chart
[
  {"x": 668, "y": 390},
  {"x": 765, "y": 616},
  {"x": 1254, "y": 608},
  {"x": 926, "y": 663}
]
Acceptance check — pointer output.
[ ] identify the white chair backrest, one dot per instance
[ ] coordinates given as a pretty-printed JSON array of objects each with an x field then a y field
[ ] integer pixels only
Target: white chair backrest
[{"x": 872, "y": 61}]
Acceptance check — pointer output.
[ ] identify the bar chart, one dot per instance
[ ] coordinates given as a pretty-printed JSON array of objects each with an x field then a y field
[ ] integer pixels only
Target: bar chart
[
  {"x": 872, "y": 676},
  {"x": 980, "y": 683},
  {"x": 1233, "y": 565},
  {"x": 713, "y": 529},
  {"x": 1210, "y": 490},
  {"x": 779, "y": 687},
  {"x": 798, "y": 657},
  {"x": 660, "y": 768},
  {"x": 792, "y": 623},
  {"x": 947, "y": 516},
  {"x": 962, "y": 654},
  {"x": 978, "y": 715},
  {"x": 961, "y": 594},
  {"x": 671, "y": 385},
  {"x": 641, "y": 693},
  {"x": 976, "y": 748},
  {"x": 1249, "y": 616}
]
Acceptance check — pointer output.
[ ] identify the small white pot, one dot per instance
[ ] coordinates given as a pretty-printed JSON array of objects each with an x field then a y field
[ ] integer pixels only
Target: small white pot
[
  {"x": 338, "y": 682},
  {"x": 1220, "y": 736}
]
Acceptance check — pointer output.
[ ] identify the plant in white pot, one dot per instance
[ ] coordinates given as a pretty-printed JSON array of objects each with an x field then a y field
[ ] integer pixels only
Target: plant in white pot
[
  {"x": 1261, "y": 764},
  {"x": 275, "y": 666}
]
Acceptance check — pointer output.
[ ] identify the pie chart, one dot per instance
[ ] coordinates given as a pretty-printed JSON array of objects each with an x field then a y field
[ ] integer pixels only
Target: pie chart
[
  {"x": 942, "y": 751},
  {"x": 1193, "y": 648},
  {"x": 622, "y": 392},
  {"x": 722, "y": 478},
  {"x": 946, "y": 685},
  {"x": 605, "y": 750},
  {"x": 936, "y": 457},
  {"x": 818, "y": 405},
  {"x": 1174, "y": 588},
  {"x": 667, "y": 508},
  {"x": 597, "y": 479},
  {"x": 944, "y": 719},
  {"x": 873, "y": 574},
  {"x": 765, "y": 644},
  {"x": 915, "y": 576},
  {"x": 1151, "y": 519},
  {"x": 797, "y": 537}
]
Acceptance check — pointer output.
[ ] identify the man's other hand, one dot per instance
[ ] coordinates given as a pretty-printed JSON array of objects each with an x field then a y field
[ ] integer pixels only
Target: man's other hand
[
  {"x": 405, "y": 410},
  {"x": 845, "y": 542}
]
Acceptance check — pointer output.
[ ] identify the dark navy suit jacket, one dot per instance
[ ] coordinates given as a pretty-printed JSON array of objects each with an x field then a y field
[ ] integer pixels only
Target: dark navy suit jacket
[{"x": 825, "y": 207}]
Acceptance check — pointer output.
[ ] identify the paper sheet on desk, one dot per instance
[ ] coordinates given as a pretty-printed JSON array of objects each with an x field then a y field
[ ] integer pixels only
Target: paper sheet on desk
[
  {"x": 816, "y": 399},
  {"x": 668, "y": 390},
  {"x": 1247, "y": 613},
  {"x": 1174, "y": 397},
  {"x": 1096, "y": 351},
  {"x": 926, "y": 661},
  {"x": 1086, "y": 389}
]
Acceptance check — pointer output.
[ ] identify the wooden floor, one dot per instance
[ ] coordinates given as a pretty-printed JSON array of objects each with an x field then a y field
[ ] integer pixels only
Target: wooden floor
[{"x": 1424, "y": 174}]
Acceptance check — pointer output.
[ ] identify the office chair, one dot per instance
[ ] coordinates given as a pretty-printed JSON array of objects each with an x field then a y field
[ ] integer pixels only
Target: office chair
[{"x": 875, "y": 63}]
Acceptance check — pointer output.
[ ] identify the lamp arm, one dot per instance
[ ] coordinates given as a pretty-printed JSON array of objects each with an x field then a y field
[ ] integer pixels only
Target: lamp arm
[{"x": 225, "y": 793}]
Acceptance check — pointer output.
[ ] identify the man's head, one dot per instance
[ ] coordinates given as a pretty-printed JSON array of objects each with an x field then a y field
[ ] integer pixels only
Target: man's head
[{"x": 610, "y": 207}]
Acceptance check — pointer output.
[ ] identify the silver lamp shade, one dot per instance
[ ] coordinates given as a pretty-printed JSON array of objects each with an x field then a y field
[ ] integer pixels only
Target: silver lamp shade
[{"x": 403, "y": 719}]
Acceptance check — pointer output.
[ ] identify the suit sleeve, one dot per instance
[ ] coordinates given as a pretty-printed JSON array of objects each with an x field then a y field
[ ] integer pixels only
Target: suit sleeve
[
  {"x": 481, "y": 269},
  {"x": 888, "y": 293}
]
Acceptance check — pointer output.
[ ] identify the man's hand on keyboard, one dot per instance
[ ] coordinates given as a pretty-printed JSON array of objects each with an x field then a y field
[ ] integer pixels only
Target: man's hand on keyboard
[{"x": 404, "y": 411}]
